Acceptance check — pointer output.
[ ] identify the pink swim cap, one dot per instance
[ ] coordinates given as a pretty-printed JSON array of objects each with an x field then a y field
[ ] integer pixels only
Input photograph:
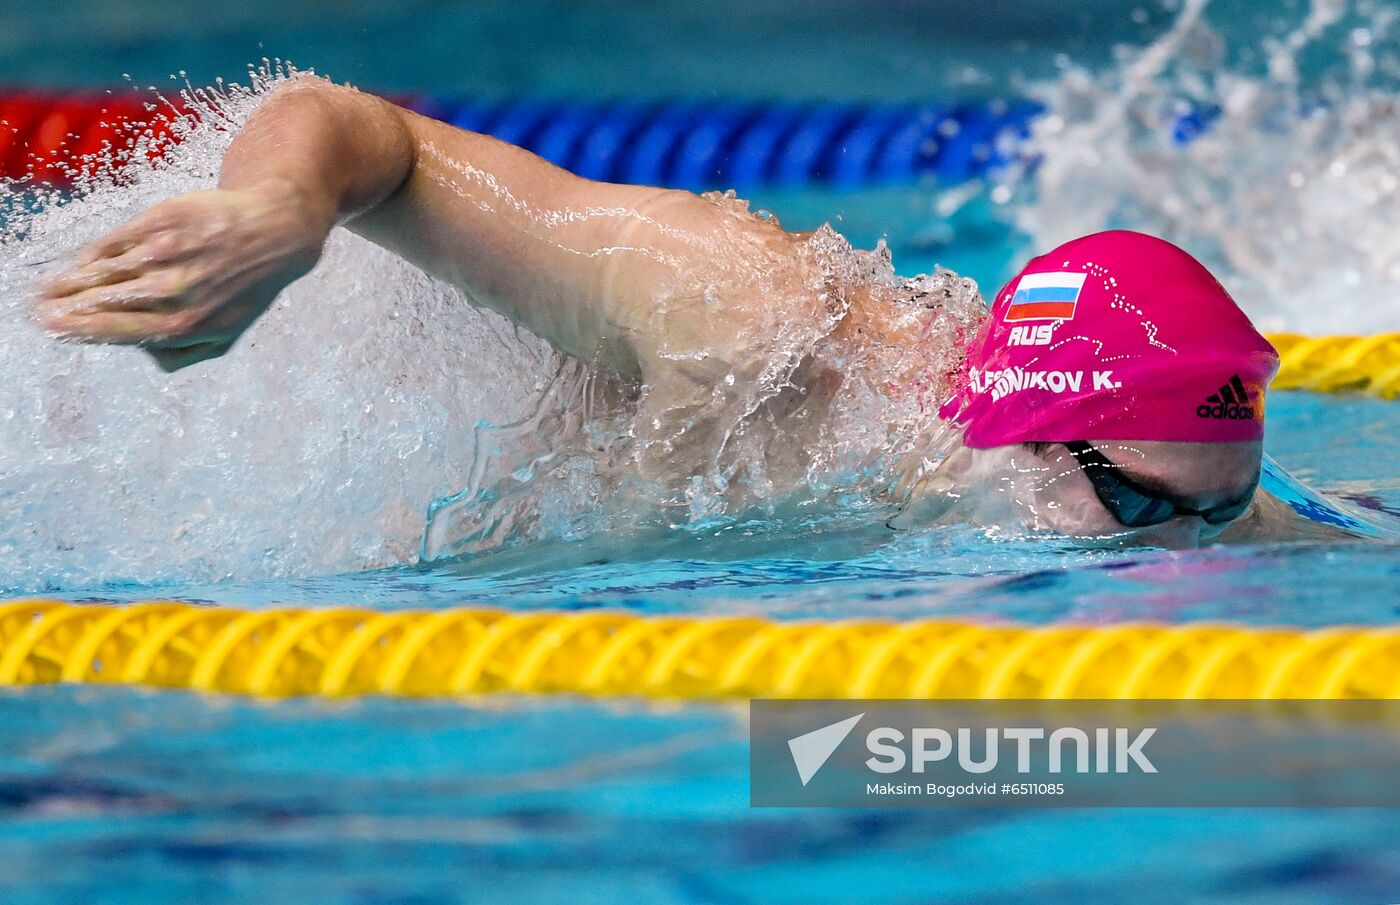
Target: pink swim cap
[{"x": 1114, "y": 336}]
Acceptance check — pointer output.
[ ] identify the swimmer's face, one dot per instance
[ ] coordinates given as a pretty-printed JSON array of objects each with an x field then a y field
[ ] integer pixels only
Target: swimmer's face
[{"x": 1047, "y": 487}]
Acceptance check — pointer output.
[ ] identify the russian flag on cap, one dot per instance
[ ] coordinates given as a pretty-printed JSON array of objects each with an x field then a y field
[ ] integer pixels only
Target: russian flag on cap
[{"x": 1045, "y": 297}]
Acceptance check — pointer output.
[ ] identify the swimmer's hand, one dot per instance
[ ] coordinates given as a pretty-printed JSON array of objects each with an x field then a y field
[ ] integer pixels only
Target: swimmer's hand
[
  {"x": 187, "y": 277},
  {"x": 588, "y": 266}
]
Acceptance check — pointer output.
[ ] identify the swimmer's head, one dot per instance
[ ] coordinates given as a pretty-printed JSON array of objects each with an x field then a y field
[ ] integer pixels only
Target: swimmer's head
[{"x": 1118, "y": 358}]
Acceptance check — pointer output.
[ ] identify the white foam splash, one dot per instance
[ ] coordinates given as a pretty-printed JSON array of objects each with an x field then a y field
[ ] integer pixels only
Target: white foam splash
[
  {"x": 369, "y": 391},
  {"x": 1291, "y": 195},
  {"x": 314, "y": 446}
]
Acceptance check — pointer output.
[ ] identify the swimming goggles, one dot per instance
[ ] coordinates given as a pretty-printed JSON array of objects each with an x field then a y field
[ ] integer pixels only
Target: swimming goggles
[{"x": 1136, "y": 507}]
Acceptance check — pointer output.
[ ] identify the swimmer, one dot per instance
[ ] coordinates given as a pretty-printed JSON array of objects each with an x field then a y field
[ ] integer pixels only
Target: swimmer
[{"x": 1114, "y": 388}]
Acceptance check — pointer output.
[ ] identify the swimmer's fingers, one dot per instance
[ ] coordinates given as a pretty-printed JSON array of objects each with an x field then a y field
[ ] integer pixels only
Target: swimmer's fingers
[
  {"x": 155, "y": 294},
  {"x": 154, "y": 230},
  {"x": 115, "y": 243},
  {"x": 148, "y": 311},
  {"x": 93, "y": 275},
  {"x": 124, "y": 328},
  {"x": 185, "y": 279},
  {"x": 167, "y": 233},
  {"x": 146, "y": 254}
]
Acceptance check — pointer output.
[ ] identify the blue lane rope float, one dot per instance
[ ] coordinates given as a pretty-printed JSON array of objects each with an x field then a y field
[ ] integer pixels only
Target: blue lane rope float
[{"x": 731, "y": 144}]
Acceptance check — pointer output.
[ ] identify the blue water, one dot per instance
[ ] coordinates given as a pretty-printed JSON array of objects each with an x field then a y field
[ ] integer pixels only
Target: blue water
[
  {"x": 132, "y": 797},
  {"x": 119, "y": 795}
]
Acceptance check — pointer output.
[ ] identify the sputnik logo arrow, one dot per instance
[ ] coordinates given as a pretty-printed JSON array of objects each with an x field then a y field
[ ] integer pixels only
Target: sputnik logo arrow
[{"x": 811, "y": 751}]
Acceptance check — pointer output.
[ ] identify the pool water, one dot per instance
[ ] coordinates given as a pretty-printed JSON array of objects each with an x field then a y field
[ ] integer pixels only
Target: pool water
[
  {"x": 124, "y": 796},
  {"x": 120, "y": 795},
  {"x": 128, "y": 795}
]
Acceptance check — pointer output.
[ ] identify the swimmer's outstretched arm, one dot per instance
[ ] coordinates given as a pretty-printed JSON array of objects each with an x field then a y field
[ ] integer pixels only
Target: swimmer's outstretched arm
[{"x": 578, "y": 262}]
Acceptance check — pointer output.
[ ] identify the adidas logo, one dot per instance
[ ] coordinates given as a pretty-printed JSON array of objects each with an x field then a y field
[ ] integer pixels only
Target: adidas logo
[{"x": 1232, "y": 402}]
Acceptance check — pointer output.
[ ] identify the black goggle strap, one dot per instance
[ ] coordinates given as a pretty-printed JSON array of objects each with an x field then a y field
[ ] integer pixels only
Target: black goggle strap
[
  {"x": 1134, "y": 506},
  {"x": 1128, "y": 503}
]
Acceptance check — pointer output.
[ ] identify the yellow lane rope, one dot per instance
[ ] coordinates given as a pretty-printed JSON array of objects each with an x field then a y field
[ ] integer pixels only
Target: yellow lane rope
[
  {"x": 348, "y": 651},
  {"x": 1339, "y": 364}
]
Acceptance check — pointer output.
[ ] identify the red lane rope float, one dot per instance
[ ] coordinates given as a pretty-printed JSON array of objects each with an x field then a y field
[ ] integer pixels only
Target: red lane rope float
[{"x": 53, "y": 139}]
